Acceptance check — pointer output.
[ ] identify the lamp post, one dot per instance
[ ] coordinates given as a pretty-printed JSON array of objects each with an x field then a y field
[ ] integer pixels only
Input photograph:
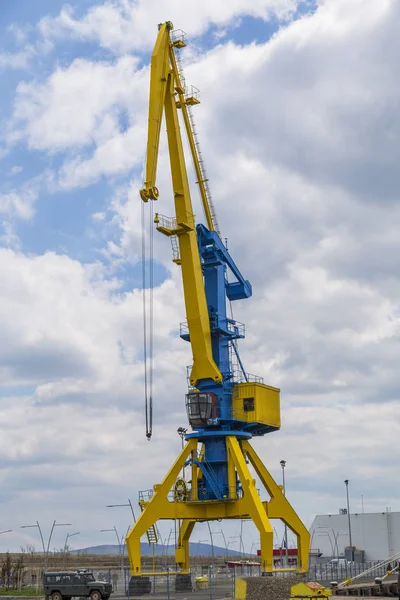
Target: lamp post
[
  {"x": 241, "y": 538},
  {"x": 67, "y": 538},
  {"x": 346, "y": 483},
  {"x": 235, "y": 538},
  {"x": 130, "y": 506},
  {"x": 7, "y": 531},
  {"x": 212, "y": 542},
  {"x": 55, "y": 524},
  {"x": 198, "y": 545},
  {"x": 121, "y": 558},
  {"x": 330, "y": 541},
  {"x": 283, "y": 465},
  {"x": 220, "y": 532},
  {"x": 46, "y": 550}
]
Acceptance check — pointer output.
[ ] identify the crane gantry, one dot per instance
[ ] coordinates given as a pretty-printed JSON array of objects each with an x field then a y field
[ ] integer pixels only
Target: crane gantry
[{"x": 226, "y": 407}]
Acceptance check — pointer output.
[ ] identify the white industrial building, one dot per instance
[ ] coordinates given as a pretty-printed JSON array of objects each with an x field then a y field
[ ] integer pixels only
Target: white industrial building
[{"x": 377, "y": 534}]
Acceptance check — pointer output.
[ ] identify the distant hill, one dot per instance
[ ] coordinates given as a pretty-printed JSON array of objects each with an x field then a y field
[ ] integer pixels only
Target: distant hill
[{"x": 145, "y": 549}]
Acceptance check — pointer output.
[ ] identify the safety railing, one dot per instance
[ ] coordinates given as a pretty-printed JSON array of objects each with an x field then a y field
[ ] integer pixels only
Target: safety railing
[
  {"x": 166, "y": 222},
  {"x": 171, "y": 224},
  {"x": 240, "y": 377},
  {"x": 227, "y": 493},
  {"x": 146, "y": 495},
  {"x": 192, "y": 92},
  {"x": 236, "y": 328},
  {"x": 178, "y": 37}
]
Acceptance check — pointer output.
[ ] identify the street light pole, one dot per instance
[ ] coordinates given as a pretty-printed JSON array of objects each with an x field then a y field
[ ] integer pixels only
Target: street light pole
[
  {"x": 67, "y": 538},
  {"x": 41, "y": 537},
  {"x": 241, "y": 538},
  {"x": 121, "y": 557},
  {"x": 212, "y": 542},
  {"x": 220, "y": 532},
  {"x": 346, "y": 482},
  {"x": 45, "y": 551},
  {"x": 7, "y": 531},
  {"x": 283, "y": 465},
  {"x": 198, "y": 545},
  {"x": 130, "y": 506},
  {"x": 55, "y": 524}
]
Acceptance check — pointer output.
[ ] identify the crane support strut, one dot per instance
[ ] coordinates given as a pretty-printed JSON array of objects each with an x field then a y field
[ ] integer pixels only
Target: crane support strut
[{"x": 193, "y": 510}]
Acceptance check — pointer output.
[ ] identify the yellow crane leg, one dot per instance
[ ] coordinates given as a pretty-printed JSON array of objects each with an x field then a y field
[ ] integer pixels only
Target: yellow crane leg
[
  {"x": 253, "y": 504},
  {"x": 280, "y": 508},
  {"x": 182, "y": 557},
  {"x": 249, "y": 506},
  {"x": 158, "y": 506}
]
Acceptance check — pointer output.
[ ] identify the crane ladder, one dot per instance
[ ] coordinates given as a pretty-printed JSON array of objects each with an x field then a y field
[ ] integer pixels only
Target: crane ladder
[
  {"x": 204, "y": 179},
  {"x": 151, "y": 533}
]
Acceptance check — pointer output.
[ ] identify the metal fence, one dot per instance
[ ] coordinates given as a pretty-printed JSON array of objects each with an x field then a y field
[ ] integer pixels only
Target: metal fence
[
  {"x": 328, "y": 572},
  {"x": 218, "y": 581}
]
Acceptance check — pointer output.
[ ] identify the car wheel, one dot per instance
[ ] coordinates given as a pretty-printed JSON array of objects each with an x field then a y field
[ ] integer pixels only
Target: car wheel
[
  {"x": 95, "y": 595},
  {"x": 56, "y": 596}
]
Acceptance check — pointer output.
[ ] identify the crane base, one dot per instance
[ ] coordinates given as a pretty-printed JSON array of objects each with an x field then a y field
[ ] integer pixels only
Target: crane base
[
  {"x": 139, "y": 586},
  {"x": 183, "y": 582},
  {"x": 248, "y": 506}
]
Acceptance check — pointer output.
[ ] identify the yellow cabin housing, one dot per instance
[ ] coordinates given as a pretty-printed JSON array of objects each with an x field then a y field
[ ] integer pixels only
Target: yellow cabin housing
[{"x": 254, "y": 402}]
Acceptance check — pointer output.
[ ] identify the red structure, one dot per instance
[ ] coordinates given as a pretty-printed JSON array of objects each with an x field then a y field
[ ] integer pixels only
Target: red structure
[{"x": 279, "y": 555}]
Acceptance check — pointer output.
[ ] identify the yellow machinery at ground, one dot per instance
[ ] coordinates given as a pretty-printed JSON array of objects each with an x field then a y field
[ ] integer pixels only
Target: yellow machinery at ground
[
  {"x": 266, "y": 588},
  {"x": 225, "y": 409},
  {"x": 310, "y": 590}
]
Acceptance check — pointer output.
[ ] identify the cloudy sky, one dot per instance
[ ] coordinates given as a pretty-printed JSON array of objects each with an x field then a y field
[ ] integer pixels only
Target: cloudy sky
[{"x": 299, "y": 129}]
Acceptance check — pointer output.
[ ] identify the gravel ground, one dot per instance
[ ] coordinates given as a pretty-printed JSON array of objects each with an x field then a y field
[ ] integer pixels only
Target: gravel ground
[{"x": 270, "y": 588}]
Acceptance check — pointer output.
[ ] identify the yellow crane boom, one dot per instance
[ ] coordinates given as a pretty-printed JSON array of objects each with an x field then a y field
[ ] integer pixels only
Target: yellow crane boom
[{"x": 166, "y": 94}]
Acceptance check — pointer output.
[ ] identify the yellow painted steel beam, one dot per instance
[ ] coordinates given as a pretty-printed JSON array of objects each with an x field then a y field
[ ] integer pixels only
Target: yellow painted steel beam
[
  {"x": 159, "y": 70},
  {"x": 164, "y": 81},
  {"x": 157, "y": 506},
  {"x": 253, "y": 504},
  {"x": 249, "y": 506},
  {"x": 280, "y": 508},
  {"x": 182, "y": 557},
  {"x": 198, "y": 320}
]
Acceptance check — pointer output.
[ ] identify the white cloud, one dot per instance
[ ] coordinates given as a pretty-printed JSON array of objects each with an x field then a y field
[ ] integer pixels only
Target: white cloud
[
  {"x": 125, "y": 25},
  {"x": 17, "y": 60},
  {"x": 75, "y": 340},
  {"x": 19, "y": 203},
  {"x": 77, "y": 106},
  {"x": 116, "y": 155}
]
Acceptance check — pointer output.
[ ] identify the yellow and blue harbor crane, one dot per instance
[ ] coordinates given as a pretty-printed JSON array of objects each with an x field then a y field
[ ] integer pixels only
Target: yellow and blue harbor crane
[{"x": 225, "y": 406}]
